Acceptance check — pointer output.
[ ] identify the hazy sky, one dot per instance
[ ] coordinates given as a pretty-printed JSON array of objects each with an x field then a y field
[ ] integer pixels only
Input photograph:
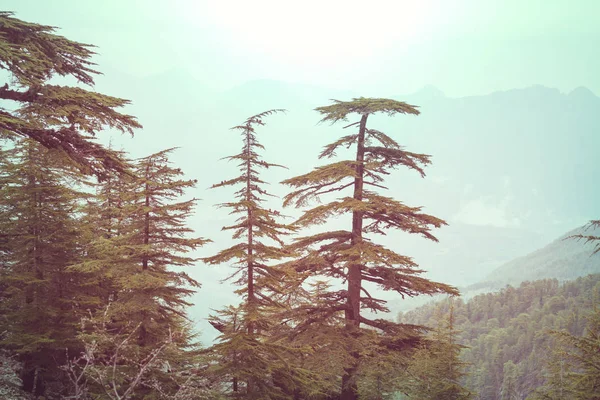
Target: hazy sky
[
  {"x": 464, "y": 47},
  {"x": 379, "y": 49}
]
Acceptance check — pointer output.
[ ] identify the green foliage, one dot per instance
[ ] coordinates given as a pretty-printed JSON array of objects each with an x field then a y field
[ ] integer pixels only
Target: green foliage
[
  {"x": 512, "y": 327},
  {"x": 382, "y": 377},
  {"x": 573, "y": 370},
  {"x": 435, "y": 370},
  {"x": 41, "y": 298},
  {"x": 58, "y": 117},
  {"x": 135, "y": 258},
  {"x": 259, "y": 365}
]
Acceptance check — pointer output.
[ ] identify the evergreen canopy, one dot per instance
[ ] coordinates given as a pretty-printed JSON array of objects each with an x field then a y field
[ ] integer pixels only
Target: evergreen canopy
[{"x": 347, "y": 254}]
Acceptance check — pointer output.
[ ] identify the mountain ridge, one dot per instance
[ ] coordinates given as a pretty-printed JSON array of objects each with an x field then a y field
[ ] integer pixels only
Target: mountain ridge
[{"x": 565, "y": 258}]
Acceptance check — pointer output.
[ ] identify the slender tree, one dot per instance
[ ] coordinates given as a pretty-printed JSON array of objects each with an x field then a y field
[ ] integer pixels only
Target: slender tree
[
  {"x": 246, "y": 356},
  {"x": 255, "y": 223},
  {"x": 161, "y": 237},
  {"x": 349, "y": 255},
  {"x": 58, "y": 117}
]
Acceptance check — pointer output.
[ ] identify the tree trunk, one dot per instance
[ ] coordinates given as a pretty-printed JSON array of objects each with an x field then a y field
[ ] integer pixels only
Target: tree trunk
[
  {"x": 250, "y": 267},
  {"x": 349, "y": 386},
  {"x": 146, "y": 219},
  {"x": 146, "y": 240},
  {"x": 250, "y": 263},
  {"x": 32, "y": 291}
]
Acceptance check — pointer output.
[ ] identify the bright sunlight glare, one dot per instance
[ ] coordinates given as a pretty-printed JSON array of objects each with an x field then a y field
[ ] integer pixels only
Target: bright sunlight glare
[{"x": 319, "y": 33}]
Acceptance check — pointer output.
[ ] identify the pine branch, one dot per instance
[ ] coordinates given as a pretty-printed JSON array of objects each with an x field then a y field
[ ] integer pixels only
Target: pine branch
[
  {"x": 347, "y": 141},
  {"x": 352, "y": 124},
  {"x": 58, "y": 117},
  {"x": 393, "y": 157},
  {"x": 594, "y": 224},
  {"x": 319, "y": 180}
]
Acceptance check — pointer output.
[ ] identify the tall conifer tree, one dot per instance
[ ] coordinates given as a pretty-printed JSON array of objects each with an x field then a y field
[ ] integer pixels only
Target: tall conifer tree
[
  {"x": 349, "y": 255},
  {"x": 42, "y": 299},
  {"x": 245, "y": 354},
  {"x": 161, "y": 239},
  {"x": 138, "y": 259}
]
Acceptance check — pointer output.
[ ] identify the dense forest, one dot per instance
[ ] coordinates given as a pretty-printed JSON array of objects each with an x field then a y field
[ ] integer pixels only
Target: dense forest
[
  {"x": 513, "y": 339},
  {"x": 96, "y": 248}
]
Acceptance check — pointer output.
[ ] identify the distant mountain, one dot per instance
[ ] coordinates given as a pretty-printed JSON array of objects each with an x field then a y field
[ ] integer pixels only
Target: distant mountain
[
  {"x": 520, "y": 158},
  {"x": 455, "y": 259},
  {"x": 563, "y": 259}
]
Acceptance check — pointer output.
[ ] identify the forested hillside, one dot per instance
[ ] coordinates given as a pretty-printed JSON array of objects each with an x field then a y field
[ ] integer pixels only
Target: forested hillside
[{"x": 507, "y": 334}]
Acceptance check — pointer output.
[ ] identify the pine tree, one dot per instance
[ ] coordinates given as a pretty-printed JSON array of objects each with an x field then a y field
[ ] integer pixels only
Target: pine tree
[
  {"x": 436, "y": 371},
  {"x": 574, "y": 366},
  {"x": 246, "y": 354},
  {"x": 42, "y": 299},
  {"x": 58, "y": 117},
  {"x": 160, "y": 237},
  {"x": 510, "y": 389},
  {"x": 349, "y": 255},
  {"x": 138, "y": 259}
]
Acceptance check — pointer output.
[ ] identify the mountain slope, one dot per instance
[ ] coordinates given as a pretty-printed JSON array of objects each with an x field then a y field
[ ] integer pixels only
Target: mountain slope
[{"x": 563, "y": 259}]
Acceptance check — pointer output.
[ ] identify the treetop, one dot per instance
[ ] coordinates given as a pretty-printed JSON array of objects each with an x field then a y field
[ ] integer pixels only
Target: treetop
[
  {"x": 258, "y": 119},
  {"x": 364, "y": 106}
]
